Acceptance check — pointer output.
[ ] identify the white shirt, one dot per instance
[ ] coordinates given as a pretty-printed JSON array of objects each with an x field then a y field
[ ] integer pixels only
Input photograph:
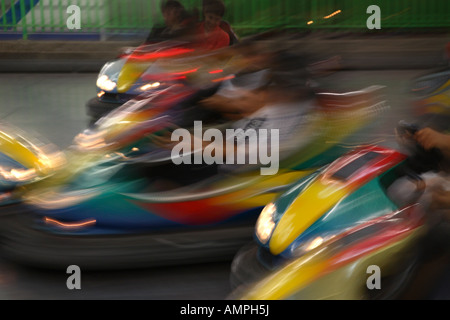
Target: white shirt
[{"x": 287, "y": 119}]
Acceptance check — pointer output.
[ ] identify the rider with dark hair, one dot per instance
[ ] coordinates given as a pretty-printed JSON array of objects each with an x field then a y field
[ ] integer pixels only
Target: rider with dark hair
[
  {"x": 178, "y": 22},
  {"x": 210, "y": 35},
  {"x": 225, "y": 25}
]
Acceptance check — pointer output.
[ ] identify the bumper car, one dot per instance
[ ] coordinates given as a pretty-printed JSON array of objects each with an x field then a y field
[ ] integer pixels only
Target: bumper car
[
  {"x": 24, "y": 160},
  {"x": 150, "y": 67},
  {"x": 104, "y": 210},
  {"x": 327, "y": 236},
  {"x": 432, "y": 98}
]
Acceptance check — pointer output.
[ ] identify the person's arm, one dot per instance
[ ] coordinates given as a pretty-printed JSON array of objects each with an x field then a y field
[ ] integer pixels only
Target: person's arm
[
  {"x": 220, "y": 40},
  {"x": 224, "y": 40},
  {"x": 429, "y": 139},
  {"x": 217, "y": 103},
  {"x": 241, "y": 106},
  {"x": 155, "y": 34},
  {"x": 440, "y": 199}
]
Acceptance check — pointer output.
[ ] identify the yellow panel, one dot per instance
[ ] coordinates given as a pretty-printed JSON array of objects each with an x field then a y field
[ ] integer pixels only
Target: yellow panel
[
  {"x": 129, "y": 74},
  {"x": 12, "y": 148},
  {"x": 310, "y": 205}
]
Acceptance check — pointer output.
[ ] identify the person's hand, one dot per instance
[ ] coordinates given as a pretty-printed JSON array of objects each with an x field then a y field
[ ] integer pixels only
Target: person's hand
[
  {"x": 250, "y": 102},
  {"x": 214, "y": 102},
  {"x": 429, "y": 139},
  {"x": 440, "y": 198},
  {"x": 228, "y": 108}
]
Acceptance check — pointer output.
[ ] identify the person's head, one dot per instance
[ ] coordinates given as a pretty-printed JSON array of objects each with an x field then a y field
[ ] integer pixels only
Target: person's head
[
  {"x": 173, "y": 12},
  {"x": 255, "y": 55},
  {"x": 290, "y": 77},
  {"x": 213, "y": 12}
]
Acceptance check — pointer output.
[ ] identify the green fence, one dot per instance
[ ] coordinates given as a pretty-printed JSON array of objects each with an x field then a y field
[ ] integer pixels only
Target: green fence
[{"x": 28, "y": 17}]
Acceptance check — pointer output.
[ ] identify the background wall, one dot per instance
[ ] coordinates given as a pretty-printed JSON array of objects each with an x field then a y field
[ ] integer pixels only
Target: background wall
[{"x": 105, "y": 18}]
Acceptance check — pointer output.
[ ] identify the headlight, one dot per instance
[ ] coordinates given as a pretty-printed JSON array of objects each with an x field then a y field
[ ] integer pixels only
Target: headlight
[
  {"x": 104, "y": 83},
  {"x": 17, "y": 175},
  {"x": 265, "y": 223},
  {"x": 148, "y": 86},
  {"x": 310, "y": 245}
]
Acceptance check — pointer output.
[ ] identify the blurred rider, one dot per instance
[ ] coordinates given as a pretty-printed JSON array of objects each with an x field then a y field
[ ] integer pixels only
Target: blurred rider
[
  {"x": 210, "y": 36},
  {"x": 236, "y": 95},
  {"x": 179, "y": 23},
  {"x": 284, "y": 103},
  {"x": 440, "y": 188}
]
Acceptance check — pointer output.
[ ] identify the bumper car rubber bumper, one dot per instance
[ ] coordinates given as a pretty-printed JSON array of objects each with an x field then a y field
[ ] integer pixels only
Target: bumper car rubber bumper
[
  {"x": 25, "y": 244},
  {"x": 97, "y": 109}
]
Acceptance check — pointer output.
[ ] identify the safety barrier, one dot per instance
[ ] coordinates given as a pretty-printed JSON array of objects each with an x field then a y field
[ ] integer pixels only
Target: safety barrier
[{"x": 29, "y": 18}]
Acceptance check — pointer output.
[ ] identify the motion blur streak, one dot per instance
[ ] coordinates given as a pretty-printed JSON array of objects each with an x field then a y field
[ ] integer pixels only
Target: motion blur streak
[{"x": 70, "y": 225}]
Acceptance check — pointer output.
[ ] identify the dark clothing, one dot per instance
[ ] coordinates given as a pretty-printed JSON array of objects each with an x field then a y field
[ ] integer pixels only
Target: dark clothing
[{"x": 162, "y": 32}]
